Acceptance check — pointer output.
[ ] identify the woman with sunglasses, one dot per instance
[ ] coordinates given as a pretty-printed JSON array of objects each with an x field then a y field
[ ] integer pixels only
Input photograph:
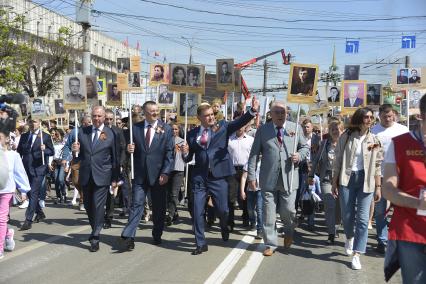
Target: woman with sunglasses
[{"x": 356, "y": 179}]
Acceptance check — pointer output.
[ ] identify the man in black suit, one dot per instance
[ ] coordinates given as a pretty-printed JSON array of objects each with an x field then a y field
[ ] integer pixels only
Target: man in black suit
[
  {"x": 98, "y": 169},
  {"x": 153, "y": 161},
  {"x": 121, "y": 157},
  {"x": 414, "y": 79},
  {"x": 209, "y": 144},
  {"x": 31, "y": 147}
]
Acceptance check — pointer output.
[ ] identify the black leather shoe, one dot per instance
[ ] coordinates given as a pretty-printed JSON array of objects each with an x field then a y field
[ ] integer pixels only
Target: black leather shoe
[
  {"x": 157, "y": 241},
  {"x": 168, "y": 221},
  {"x": 26, "y": 226},
  {"x": 128, "y": 243},
  {"x": 107, "y": 225},
  {"x": 381, "y": 248},
  {"x": 94, "y": 246},
  {"x": 199, "y": 250},
  {"x": 225, "y": 234},
  {"x": 330, "y": 240},
  {"x": 39, "y": 217}
]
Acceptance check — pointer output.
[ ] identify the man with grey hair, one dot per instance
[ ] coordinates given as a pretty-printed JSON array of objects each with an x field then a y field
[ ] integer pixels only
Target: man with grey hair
[
  {"x": 98, "y": 170},
  {"x": 274, "y": 144}
]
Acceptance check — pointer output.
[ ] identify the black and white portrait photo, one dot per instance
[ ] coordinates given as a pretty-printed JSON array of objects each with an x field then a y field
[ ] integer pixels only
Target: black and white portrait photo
[
  {"x": 91, "y": 88},
  {"x": 178, "y": 74},
  {"x": 134, "y": 80},
  {"x": 38, "y": 108},
  {"x": 351, "y": 72},
  {"x": 123, "y": 65},
  {"x": 75, "y": 92},
  {"x": 334, "y": 95},
  {"x": 59, "y": 107},
  {"x": 191, "y": 107},
  {"x": 373, "y": 94},
  {"x": 165, "y": 97},
  {"x": 302, "y": 83},
  {"x": 225, "y": 74}
]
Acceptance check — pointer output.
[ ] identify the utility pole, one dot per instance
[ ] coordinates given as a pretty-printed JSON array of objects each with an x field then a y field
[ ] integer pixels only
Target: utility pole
[
  {"x": 407, "y": 61},
  {"x": 83, "y": 18},
  {"x": 265, "y": 73},
  {"x": 190, "y": 43}
]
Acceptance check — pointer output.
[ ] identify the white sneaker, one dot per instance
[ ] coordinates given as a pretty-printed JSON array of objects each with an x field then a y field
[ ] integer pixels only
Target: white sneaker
[
  {"x": 9, "y": 244},
  {"x": 73, "y": 202},
  {"x": 42, "y": 203},
  {"x": 24, "y": 204},
  {"x": 82, "y": 207},
  {"x": 349, "y": 244},
  {"x": 356, "y": 263}
]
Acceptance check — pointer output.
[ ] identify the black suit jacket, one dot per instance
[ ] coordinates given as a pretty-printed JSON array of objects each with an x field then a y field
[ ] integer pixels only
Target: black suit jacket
[
  {"x": 120, "y": 144},
  {"x": 150, "y": 163},
  {"x": 32, "y": 156},
  {"x": 100, "y": 160}
]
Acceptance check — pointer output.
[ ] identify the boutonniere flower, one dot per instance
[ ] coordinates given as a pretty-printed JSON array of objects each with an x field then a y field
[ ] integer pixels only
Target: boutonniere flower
[
  {"x": 373, "y": 146},
  {"x": 215, "y": 127},
  {"x": 103, "y": 136},
  {"x": 159, "y": 129}
]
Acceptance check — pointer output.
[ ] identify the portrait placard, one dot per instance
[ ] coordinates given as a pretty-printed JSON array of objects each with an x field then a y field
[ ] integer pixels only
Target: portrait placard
[
  {"x": 38, "y": 108},
  {"x": 354, "y": 95},
  {"x": 91, "y": 90},
  {"x": 114, "y": 95},
  {"x": 321, "y": 102},
  {"x": 333, "y": 95},
  {"x": 123, "y": 65},
  {"x": 408, "y": 78},
  {"x": 374, "y": 92},
  {"x": 24, "y": 109},
  {"x": 194, "y": 100},
  {"x": 195, "y": 82},
  {"x": 159, "y": 74},
  {"x": 178, "y": 77},
  {"x": 59, "y": 108},
  {"x": 165, "y": 98},
  {"x": 351, "y": 72},
  {"x": 302, "y": 83},
  {"x": 225, "y": 74},
  {"x": 75, "y": 93},
  {"x": 414, "y": 96},
  {"x": 135, "y": 64},
  {"x": 134, "y": 80}
]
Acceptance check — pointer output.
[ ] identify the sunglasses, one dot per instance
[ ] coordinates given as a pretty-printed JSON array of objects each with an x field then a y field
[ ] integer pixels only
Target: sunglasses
[{"x": 368, "y": 117}]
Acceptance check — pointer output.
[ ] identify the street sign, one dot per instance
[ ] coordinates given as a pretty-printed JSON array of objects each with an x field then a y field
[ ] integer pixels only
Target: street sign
[
  {"x": 352, "y": 46},
  {"x": 408, "y": 42}
]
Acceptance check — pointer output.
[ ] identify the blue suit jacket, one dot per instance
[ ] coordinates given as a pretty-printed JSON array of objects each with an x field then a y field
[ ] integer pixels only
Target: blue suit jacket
[
  {"x": 216, "y": 157},
  {"x": 99, "y": 160},
  {"x": 32, "y": 156},
  {"x": 150, "y": 163}
]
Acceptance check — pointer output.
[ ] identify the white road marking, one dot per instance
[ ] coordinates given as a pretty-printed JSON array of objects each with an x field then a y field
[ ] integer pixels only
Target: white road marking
[
  {"x": 42, "y": 243},
  {"x": 247, "y": 273},
  {"x": 230, "y": 261}
]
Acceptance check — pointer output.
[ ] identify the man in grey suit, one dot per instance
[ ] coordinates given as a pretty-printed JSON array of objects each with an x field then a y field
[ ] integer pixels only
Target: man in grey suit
[
  {"x": 274, "y": 142},
  {"x": 99, "y": 168}
]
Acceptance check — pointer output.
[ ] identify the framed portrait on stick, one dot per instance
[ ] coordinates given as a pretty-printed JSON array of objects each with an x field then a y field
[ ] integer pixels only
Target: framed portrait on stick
[
  {"x": 374, "y": 92},
  {"x": 225, "y": 75},
  {"x": 91, "y": 90},
  {"x": 123, "y": 65},
  {"x": 354, "y": 95},
  {"x": 122, "y": 82},
  {"x": 321, "y": 103},
  {"x": 351, "y": 72},
  {"x": 414, "y": 96},
  {"x": 158, "y": 74},
  {"x": 408, "y": 78},
  {"x": 194, "y": 100},
  {"x": 38, "y": 108},
  {"x": 178, "y": 77},
  {"x": 302, "y": 84},
  {"x": 165, "y": 98},
  {"x": 195, "y": 82},
  {"x": 114, "y": 95},
  {"x": 75, "y": 94},
  {"x": 135, "y": 64},
  {"x": 59, "y": 108},
  {"x": 333, "y": 95}
]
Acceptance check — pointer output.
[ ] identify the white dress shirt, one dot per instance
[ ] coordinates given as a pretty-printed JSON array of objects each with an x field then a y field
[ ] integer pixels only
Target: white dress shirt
[
  {"x": 34, "y": 136},
  {"x": 153, "y": 126},
  {"x": 99, "y": 131},
  {"x": 239, "y": 149}
]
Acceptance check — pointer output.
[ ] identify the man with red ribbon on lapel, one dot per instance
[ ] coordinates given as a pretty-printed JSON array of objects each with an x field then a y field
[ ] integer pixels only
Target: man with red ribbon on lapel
[{"x": 209, "y": 144}]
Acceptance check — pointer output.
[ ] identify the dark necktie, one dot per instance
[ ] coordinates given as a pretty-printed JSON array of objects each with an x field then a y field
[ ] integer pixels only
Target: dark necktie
[
  {"x": 95, "y": 137},
  {"x": 148, "y": 136},
  {"x": 279, "y": 135}
]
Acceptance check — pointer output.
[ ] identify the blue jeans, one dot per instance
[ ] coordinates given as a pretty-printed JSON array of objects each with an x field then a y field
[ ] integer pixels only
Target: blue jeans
[
  {"x": 412, "y": 258},
  {"x": 60, "y": 181},
  {"x": 381, "y": 221},
  {"x": 355, "y": 222},
  {"x": 255, "y": 202}
]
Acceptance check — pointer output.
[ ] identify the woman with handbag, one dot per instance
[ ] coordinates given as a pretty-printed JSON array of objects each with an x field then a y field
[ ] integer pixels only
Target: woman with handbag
[{"x": 356, "y": 179}]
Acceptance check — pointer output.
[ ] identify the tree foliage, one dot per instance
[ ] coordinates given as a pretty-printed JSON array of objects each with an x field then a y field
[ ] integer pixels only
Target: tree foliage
[{"x": 15, "y": 53}]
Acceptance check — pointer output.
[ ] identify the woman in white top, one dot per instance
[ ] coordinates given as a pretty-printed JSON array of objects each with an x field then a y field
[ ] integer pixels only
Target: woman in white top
[
  {"x": 17, "y": 178},
  {"x": 57, "y": 168},
  {"x": 356, "y": 178}
]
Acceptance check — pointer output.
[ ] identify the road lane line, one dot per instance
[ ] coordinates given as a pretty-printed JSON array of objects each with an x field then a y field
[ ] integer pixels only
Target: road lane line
[
  {"x": 42, "y": 243},
  {"x": 230, "y": 261},
  {"x": 247, "y": 273}
]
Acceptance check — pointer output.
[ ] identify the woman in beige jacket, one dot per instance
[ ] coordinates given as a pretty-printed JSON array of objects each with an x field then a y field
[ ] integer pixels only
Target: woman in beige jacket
[{"x": 356, "y": 179}]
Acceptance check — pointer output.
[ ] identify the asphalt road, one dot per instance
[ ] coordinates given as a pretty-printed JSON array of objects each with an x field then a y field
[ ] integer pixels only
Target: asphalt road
[{"x": 56, "y": 251}]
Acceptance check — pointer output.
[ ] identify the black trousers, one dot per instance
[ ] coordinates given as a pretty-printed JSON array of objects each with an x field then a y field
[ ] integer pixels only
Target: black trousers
[
  {"x": 33, "y": 196},
  {"x": 173, "y": 189},
  {"x": 234, "y": 195},
  {"x": 95, "y": 198}
]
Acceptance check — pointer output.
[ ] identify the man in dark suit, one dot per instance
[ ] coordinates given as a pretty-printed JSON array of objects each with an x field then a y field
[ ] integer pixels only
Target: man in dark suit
[
  {"x": 414, "y": 79},
  {"x": 99, "y": 170},
  {"x": 121, "y": 158},
  {"x": 213, "y": 165},
  {"x": 153, "y": 161},
  {"x": 32, "y": 148}
]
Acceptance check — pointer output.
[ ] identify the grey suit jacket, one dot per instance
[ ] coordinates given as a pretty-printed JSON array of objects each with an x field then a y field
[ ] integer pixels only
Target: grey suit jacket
[{"x": 275, "y": 158}]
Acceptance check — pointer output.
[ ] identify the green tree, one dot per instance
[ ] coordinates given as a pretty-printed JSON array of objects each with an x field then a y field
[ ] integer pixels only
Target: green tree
[{"x": 15, "y": 53}]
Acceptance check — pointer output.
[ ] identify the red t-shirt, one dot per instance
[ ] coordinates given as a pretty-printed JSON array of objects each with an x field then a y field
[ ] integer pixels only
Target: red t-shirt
[{"x": 406, "y": 225}]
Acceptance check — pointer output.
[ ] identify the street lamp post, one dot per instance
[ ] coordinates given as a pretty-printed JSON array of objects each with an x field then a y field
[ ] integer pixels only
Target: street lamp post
[{"x": 190, "y": 43}]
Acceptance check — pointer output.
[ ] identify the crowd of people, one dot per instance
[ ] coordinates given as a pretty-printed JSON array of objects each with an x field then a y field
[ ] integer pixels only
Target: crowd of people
[{"x": 368, "y": 166}]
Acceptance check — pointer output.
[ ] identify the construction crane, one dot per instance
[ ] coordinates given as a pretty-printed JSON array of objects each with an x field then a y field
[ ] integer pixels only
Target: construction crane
[{"x": 245, "y": 90}]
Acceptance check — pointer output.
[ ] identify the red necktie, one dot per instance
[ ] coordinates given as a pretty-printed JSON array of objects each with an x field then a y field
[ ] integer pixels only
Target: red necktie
[
  {"x": 279, "y": 136},
  {"x": 204, "y": 138},
  {"x": 148, "y": 136}
]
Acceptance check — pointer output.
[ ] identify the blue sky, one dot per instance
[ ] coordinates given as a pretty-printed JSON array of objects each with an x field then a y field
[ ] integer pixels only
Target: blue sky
[{"x": 308, "y": 29}]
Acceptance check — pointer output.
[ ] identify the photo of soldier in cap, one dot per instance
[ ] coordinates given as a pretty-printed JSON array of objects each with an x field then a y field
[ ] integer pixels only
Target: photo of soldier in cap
[
  {"x": 75, "y": 92},
  {"x": 38, "y": 108}
]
